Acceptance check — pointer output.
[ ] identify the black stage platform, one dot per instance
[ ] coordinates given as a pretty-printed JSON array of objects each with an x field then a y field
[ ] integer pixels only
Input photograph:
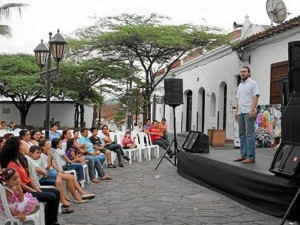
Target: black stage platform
[{"x": 249, "y": 184}]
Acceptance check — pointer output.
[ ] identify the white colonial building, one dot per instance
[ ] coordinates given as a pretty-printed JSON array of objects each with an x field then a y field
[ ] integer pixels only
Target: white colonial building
[
  {"x": 210, "y": 80},
  {"x": 60, "y": 111}
]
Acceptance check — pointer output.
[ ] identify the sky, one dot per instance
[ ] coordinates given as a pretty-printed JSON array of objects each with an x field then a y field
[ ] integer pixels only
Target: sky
[{"x": 43, "y": 16}]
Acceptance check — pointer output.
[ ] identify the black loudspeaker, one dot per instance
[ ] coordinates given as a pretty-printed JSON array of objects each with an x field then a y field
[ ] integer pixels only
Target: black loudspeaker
[
  {"x": 173, "y": 91},
  {"x": 285, "y": 98},
  {"x": 294, "y": 68},
  {"x": 196, "y": 142},
  {"x": 286, "y": 161},
  {"x": 290, "y": 121}
]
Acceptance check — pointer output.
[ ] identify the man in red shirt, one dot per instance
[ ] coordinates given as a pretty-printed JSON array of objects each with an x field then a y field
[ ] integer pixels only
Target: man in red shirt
[{"x": 156, "y": 135}]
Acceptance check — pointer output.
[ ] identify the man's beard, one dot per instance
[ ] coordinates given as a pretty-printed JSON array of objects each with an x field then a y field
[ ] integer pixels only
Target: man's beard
[{"x": 244, "y": 78}]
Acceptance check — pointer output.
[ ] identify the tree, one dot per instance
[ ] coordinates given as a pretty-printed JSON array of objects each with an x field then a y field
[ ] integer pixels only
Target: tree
[
  {"x": 83, "y": 83},
  {"x": 136, "y": 104},
  {"x": 155, "y": 44},
  {"x": 5, "y": 11},
  {"x": 19, "y": 81}
]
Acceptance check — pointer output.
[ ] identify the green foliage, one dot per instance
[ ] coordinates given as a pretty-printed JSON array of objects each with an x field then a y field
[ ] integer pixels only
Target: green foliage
[
  {"x": 121, "y": 109},
  {"x": 155, "y": 43},
  {"x": 135, "y": 101},
  {"x": 20, "y": 81},
  {"x": 87, "y": 81},
  {"x": 19, "y": 77},
  {"x": 5, "y": 11}
]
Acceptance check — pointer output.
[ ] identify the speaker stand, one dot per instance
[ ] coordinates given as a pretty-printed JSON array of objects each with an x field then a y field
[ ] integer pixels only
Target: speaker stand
[
  {"x": 290, "y": 207},
  {"x": 174, "y": 141}
]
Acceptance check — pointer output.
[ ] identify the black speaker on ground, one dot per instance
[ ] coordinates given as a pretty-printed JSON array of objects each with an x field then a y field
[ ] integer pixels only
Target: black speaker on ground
[
  {"x": 196, "y": 142},
  {"x": 173, "y": 91},
  {"x": 286, "y": 161},
  {"x": 294, "y": 67}
]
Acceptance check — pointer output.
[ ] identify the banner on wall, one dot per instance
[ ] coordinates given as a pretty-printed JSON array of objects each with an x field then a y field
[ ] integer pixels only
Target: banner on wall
[{"x": 267, "y": 127}]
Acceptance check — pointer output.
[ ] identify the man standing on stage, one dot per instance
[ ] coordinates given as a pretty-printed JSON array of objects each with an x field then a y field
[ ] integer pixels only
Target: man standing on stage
[{"x": 246, "y": 103}]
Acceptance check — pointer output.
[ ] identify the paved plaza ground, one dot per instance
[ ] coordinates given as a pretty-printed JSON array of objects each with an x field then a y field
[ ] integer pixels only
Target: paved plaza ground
[{"x": 140, "y": 195}]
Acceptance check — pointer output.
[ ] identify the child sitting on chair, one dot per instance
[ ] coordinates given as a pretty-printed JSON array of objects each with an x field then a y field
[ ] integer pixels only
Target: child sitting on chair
[
  {"x": 20, "y": 204},
  {"x": 128, "y": 142}
]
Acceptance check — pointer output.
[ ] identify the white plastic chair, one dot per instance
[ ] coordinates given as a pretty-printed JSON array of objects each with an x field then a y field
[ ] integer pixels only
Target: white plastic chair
[
  {"x": 33, "y": 175},
  {"x": 37, "y": 218},
  {"x": 152, "y": 146},
  {"x": 144, "y": 146},
  {"x": 35, "y": 179}
]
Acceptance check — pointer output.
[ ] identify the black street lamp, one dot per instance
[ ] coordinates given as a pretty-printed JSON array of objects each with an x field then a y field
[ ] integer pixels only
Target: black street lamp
[
  {"x": 131, "y": 57},
  {"x": 43, "y": 58}
]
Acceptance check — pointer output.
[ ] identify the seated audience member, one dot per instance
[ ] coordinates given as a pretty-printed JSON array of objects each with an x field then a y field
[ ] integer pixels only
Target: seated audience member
[
  {"x": 2, "y": 142},
  {"x": 44, "y": 179},
  {"x": 35, "y": 136},
  {"x": 91, "y": 160},
  {"x": 12, "y": 157},
  {"x": 148, "y": 125},
  {"x": 25, "y": 136},
  {"x": 56, "y": 145},
  {"x": 76, "y": 135},
  {"x": 52, "y": 169},
  {"x": 3, "y": 125},
  {"x": 139, "y": 127},
  {"x": 128, "y": 142},
  {"x": 66, "y": 135},
  {"x": 91, "y": 155},
  {"x": 73, "y": 153},
  {"x": 53, "y": 133},
  {"x": 164, "y": 126},
  {"x": 97, "y": 146},
  {"x": 8, "y": 135},
  {"x": 11, "y": 126},
  {"x": 156, "y": 135},
  {"x": 111, "y": 145},
  {"x": 20, "y": 204}
]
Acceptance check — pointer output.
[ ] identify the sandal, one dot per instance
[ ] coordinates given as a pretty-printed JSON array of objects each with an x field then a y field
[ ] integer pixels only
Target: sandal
[
  {"x": 80, "y": 201},
  {"x": 95, "y": 180},
  {"x": 106, "y": 178},
  {"x": 67, "y": 211},
  {"x": 111, "y": 166},
  {"x": 87, "y": 196}
]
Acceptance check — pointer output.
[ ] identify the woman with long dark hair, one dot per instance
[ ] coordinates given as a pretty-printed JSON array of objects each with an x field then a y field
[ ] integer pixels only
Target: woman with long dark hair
[
  {"x": 35, "y": 136},
  {"x": 56, "y": 145},
  {"x": 11, "y": 157},
  {"x": 47, "y": 163}
]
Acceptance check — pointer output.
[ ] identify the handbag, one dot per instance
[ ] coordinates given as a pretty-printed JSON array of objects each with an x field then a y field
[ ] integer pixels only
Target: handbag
[{"x": 66, "y": 167}]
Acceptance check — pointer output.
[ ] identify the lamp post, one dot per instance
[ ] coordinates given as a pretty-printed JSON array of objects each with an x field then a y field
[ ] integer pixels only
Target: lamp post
[
  {"x": 131, "y": 57},
  {"x": 43, "y": 58}
]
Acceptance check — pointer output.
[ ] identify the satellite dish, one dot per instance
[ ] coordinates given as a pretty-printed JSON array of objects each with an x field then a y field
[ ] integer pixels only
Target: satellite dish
[
  {"x": 236, "y": 25},
  {"x": 276, "y": 11}
]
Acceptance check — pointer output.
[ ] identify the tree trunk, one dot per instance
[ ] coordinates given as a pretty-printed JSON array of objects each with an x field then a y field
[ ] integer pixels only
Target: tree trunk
[
  {"x": 76, "y": 115},
  {"x": 94, "y": 116},
  {"x": 23, "y": 114},
  {"x": 82, "y": 123},
  {"x": 147, "y": 108}
]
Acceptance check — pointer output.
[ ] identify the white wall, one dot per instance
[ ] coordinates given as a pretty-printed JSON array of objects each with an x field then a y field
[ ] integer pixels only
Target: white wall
[
  {"x": 223, "y": 65},
  {"x": 264, "y": 54},
  {"x": 63, "y": 112}
]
